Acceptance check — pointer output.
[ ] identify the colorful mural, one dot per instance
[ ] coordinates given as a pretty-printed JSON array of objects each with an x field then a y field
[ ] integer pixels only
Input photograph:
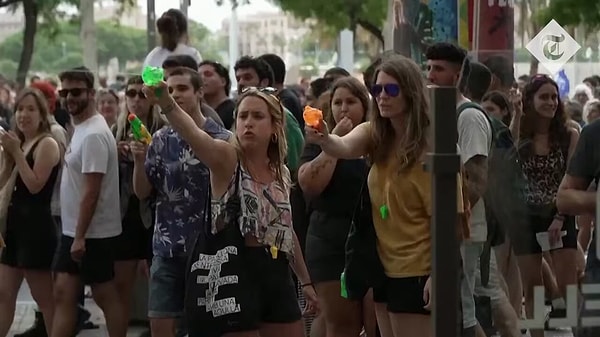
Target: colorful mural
[
  {"x": 422, "y": 22},
  {"x": 496, "y": 30}
]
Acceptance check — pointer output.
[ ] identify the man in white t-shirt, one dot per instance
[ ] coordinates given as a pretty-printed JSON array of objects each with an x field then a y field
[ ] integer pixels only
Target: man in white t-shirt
[
  {"x": 444, "y": 63},
  {"x": 89, "y": 195}
]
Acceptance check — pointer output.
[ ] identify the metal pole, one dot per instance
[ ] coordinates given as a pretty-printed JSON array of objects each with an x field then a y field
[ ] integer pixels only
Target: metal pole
[
  {"x": 184, "y": 4},
  {"x": 151, "y": 19},
  {"x": 444, "y": 164},
  {"x": 233, "y": 41}
]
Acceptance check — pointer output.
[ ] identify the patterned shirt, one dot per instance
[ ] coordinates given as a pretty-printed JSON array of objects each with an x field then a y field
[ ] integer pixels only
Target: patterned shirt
[{"x": 181, "y": 183}]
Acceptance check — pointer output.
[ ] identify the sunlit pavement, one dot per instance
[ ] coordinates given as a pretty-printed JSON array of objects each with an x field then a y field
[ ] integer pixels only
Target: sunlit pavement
[{"x": 24, "y": 316}]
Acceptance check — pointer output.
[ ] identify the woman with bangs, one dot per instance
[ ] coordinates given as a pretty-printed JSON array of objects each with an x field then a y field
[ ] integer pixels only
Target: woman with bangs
[
  {"x": 546, "y": 144},
  {"x": 255, "y": 159},
  {"x": 333, "y": 186},
  {"x": 30, "y": 160},
  {"x": 134, "y": 245},
  {"x": 396, "y": 140}
]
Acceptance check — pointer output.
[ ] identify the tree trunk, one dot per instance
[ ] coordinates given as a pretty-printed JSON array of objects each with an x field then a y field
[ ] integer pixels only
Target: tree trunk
[
  {"x": 30, "y": 11},
  {"x": 88, "y": 36}
]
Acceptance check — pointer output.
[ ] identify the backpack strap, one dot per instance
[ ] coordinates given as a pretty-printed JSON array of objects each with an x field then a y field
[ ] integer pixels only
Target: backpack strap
[{"x": 473, "y": 105}]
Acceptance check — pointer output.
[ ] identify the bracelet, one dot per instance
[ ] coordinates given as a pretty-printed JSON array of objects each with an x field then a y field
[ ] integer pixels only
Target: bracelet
[
  {"x": 309, "y": 284},
  {"x": 559, "y": 217}
]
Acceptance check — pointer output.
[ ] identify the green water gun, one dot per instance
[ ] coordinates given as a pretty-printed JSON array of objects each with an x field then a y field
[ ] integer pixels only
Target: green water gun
[
  {"x": 152, "y": 76},
  {"x": 140, "y": 133}
]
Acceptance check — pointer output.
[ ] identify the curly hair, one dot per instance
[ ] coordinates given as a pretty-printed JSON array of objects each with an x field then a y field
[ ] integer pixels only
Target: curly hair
[{"x": 558, "y": 131}]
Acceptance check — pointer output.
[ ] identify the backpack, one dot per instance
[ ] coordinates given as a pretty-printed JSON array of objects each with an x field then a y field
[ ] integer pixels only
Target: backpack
[{"x": 504, "y": 199}]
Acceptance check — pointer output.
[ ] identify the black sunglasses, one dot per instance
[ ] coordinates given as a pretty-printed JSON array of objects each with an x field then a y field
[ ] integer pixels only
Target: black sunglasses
[
  {"x": 75, "y": 92},
  {"x": 390, "y": 89},
  {"x": 131, "y": 93}
]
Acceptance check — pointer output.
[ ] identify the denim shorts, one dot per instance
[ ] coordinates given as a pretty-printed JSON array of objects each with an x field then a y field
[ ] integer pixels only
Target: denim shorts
[{"x": 167, "y": 287}]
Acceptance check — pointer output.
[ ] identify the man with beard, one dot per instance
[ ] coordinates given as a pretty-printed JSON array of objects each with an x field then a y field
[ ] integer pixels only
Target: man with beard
[{"x": 89, "y": 197}]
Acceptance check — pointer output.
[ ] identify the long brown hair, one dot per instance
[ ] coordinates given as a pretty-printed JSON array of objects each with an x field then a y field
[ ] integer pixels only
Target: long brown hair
[
  {"x": 356, "y": 89},
  {"x": 558, "y": 133},
  {"x": 413, "y": 141},
  {"x": 155, "y": 120},
  {"x": 42, "y": 105},
  {"x": 277, "y": 150}
]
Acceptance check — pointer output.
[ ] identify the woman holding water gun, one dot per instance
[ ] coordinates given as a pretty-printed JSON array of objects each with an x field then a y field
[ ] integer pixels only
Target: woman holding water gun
[
  {"x": 133, "y": 247},
  {"x": 395, "y": 140},
  {"x": 251, "y": 168}
]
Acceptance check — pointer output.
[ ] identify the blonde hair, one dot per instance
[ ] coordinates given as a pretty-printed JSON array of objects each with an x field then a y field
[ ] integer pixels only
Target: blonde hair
[
  {"x": 155, "y": 120},
  {"x": 277, "y": 150},
  {"x": 413, "y": 140}
]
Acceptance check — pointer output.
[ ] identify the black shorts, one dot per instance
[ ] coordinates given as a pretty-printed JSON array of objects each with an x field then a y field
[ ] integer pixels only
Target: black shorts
[
  {"x": 403, "y": 295},
  {"x": 25, "y": 250},
  {"x": 326, "y": 246},
  {"x": 540, "y": 217},
  {"x": 134, "y": 243},
  {"x": 97, "y": 265}
]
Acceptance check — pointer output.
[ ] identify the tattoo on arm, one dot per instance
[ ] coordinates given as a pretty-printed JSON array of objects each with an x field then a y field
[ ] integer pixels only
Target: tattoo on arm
[
  {"x": 318, "y": 164},
  {"x": 476, "y": 170}
]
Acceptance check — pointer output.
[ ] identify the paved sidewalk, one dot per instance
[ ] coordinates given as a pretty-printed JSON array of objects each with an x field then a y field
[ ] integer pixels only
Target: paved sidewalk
[{"x": 24, "y": 317}]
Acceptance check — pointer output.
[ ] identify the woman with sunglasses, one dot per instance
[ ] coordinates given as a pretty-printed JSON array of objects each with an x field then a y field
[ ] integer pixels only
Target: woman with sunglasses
[
  {"x": 333, "y": 186},
  {"x": 255, "y": 158},
  {"x": 545, "y": 146},
  {"x": 395, "y": 139},
  {"x": 133, "y": 246}
]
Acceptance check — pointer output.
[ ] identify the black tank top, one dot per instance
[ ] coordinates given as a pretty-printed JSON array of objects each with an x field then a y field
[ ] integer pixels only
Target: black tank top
[{"x": 38, "y": 203}]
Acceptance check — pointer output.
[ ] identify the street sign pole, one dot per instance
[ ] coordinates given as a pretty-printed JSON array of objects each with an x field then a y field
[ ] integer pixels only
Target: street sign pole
[{"x": 444, "y": 164}]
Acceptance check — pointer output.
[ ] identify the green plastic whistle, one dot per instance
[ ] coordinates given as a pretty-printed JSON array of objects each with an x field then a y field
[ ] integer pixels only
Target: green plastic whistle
[
  {"x": 152, "y": 76},
  {"x": 344, "y": 290},
  {"x": 384, "y": 211}
]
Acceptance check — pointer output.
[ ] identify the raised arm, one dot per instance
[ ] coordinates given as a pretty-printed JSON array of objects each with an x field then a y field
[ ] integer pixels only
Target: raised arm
[
  {"x": 351, "y": 146},
  {"x": 218, "y": 155}
]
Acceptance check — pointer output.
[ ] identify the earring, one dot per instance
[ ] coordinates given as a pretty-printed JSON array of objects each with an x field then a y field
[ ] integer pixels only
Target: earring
[{"x": 274, "y": 138}]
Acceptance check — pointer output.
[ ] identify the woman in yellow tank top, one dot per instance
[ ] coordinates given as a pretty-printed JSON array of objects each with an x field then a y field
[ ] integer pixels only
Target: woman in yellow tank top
[{"x": 395, "y": 140}]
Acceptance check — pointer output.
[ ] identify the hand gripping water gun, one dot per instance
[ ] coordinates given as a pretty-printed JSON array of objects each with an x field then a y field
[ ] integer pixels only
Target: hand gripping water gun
[
  {"x": 140, "y": 133},
  {"x": 312, "y": 117},
  {"x": 152, "y": 77}
]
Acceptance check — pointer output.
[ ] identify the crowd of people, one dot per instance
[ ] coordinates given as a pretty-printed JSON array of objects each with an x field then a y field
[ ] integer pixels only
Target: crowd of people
[{"x": 247, "y": 221}]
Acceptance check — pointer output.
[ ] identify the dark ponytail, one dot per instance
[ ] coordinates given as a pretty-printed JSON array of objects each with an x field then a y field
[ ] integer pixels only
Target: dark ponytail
[{"x": 172, "y": 25}]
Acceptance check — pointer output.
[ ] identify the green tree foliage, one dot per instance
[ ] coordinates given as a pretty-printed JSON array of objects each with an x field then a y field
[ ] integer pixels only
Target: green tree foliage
[
  {"x": 570, "y": 13},
  {"x": 205, "y": 41},
  {"x": 341, "y": 14},
  {"x": 53, "y": 53},
  {"x": 63, "y": 50}
]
